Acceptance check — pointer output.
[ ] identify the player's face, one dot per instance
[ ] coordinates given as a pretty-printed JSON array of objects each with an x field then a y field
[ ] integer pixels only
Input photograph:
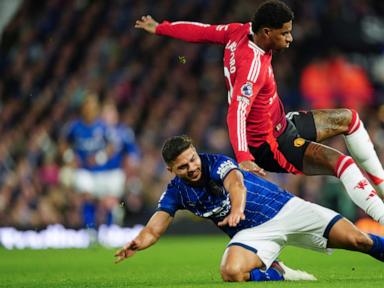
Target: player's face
[
  {"x": 281, "y": 38},
  {"x": 187, "y": 166},
  {"x": 90, "y": 109}
]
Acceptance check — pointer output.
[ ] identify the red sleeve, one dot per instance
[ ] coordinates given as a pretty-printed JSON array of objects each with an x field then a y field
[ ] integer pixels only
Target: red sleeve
[
  {"x": 243, "y": 94},
  {"x": 196, "y": 32}
]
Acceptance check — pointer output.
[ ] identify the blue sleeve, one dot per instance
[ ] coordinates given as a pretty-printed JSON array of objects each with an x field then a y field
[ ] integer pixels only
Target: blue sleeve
[
  {"x": 221, "y": 167},
  {"x": 169, "y": 201}
]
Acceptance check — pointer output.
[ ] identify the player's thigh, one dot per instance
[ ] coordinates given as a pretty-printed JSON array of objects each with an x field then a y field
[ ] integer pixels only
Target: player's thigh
[
  {"x": 320, "y": 159},
  {"x": 240, "y": 259},
  {"x": 110, "y": 183},
  {"x": 84, "y": 181},
  {"x": 345, "y": 235},
  {"x": 331, "y": 122},
  {"x": 308, "y": 224},
  {"x": 262, "y": 242}
]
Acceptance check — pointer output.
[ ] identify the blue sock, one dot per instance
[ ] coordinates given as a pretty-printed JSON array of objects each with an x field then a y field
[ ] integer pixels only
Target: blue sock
[
  {"x": 109, "y": 218},
  {"x": 270, "y": 275},
  {"x": 89, "y": 214},
  {"x": 377, "y": 250}
]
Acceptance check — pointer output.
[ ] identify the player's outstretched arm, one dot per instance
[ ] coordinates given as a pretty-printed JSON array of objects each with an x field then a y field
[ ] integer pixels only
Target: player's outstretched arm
[
  {"x": 188, "y": 31},
  {"x": 155, "y": 227},
  {"x": 147, "y": 23},
  {"x": 234, "y": 184}
]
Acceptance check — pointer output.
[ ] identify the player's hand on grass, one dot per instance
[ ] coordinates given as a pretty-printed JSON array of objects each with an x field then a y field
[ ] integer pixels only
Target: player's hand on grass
[
  {"x": 127, "y": 251},
  {"x": 232, "y": 219},
  {"x": 147, "y": 23},
  {"x": 251, "y": 166}
]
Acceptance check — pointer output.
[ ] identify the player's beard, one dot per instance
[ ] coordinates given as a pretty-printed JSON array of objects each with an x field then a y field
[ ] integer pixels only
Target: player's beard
[
  {"x": 194, "y": 178},
  {"x": 195, "y": 175},
  {"x": 280, "y": 51}
]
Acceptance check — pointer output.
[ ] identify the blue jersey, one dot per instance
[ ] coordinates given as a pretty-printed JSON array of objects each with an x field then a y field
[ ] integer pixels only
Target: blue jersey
[
  {"x": 264, "y": 199},
  {"x": 123, "y": 140},
  {"x": 87, "y": 140}
]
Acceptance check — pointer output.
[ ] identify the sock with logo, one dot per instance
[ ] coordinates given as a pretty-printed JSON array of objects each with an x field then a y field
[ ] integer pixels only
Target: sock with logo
[
  {"x": 361, "y": 148},
  {"x": 359, "y": 189}
]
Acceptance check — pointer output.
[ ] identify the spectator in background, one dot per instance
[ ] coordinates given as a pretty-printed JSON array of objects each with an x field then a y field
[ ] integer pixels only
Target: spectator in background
[
  {"x": 334, "y": 82},
  {"x": 88, "y": 146}
]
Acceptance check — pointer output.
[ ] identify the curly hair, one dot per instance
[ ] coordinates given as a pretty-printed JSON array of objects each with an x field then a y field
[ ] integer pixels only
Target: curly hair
[{"x": 271, "y": 14}]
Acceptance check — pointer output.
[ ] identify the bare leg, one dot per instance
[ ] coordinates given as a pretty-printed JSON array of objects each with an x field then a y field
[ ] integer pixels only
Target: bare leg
[
  {"x": 237, "y": 263},
  {"x": 345, "y": 235},
  {"x": 320, "y": 159},
  {"x": 331, "y": 122}
]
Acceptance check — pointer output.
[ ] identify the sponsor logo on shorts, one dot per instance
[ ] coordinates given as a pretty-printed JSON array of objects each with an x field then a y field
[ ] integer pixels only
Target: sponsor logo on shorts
[{"x": 298, "y": 142}]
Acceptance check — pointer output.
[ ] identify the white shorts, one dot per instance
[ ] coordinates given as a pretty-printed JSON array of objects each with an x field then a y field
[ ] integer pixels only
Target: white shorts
[
  {"x": 299, "y": 223},
  {"x": 100, "y": 184}
]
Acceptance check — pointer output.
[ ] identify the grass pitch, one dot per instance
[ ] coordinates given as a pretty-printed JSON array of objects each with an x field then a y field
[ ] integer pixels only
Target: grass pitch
[{"x": 174, "y": 262}]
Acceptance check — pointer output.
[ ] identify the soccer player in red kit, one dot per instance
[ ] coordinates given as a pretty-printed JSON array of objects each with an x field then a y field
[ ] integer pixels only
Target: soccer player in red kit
[{"x": 262, "y": 136}]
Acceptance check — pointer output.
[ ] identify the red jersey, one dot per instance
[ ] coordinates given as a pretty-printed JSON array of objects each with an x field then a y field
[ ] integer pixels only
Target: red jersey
[{"x": 255, "y": 114}]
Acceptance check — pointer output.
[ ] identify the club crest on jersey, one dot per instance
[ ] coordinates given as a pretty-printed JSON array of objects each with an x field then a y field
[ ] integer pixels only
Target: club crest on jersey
[
  {"x": 298, "y": 142},
  {"x": 247, "y": 89}
]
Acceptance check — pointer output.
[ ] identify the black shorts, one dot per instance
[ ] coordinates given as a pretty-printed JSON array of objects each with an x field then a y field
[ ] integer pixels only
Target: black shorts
[{"x": 292, "y": 143}]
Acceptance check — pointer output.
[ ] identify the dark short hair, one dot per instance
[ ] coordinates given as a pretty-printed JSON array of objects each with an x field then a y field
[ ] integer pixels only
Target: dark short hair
[
  {"x": 271, "y": 14},
  {"x": 174, "y": 146}
]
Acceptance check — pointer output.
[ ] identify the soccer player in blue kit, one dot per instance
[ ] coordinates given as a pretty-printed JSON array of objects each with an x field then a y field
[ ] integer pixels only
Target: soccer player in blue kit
[
  {"x": 259, "y": 217},
  {"x": 99, "y": 147}
]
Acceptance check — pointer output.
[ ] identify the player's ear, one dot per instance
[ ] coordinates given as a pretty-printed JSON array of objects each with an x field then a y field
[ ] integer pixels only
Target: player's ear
[{"x": 267, "y": 31}]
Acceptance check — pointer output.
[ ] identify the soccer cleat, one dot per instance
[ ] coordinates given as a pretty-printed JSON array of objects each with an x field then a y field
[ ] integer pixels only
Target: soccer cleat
[{"x": 291, "y": 274}]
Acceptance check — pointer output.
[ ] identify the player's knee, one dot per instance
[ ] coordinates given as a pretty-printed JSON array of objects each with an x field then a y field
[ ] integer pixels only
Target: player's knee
[
  {"x": 353, "y": 121},
  {"x": 232, "y": 273}
]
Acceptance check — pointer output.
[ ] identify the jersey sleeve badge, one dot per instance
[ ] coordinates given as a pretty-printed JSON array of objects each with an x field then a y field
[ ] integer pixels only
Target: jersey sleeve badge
[{"x": 247, "y": 89}]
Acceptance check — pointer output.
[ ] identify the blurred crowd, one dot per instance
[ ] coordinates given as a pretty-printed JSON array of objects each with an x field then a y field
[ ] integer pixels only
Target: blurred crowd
[{"x": 53, "y": 53}]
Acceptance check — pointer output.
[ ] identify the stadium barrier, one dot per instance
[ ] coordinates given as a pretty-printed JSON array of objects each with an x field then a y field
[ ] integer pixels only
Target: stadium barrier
[{"x": 57, "y": 236}]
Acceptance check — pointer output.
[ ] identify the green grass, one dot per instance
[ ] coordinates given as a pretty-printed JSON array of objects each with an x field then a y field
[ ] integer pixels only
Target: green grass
[{"x": 174, "y": 262}]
